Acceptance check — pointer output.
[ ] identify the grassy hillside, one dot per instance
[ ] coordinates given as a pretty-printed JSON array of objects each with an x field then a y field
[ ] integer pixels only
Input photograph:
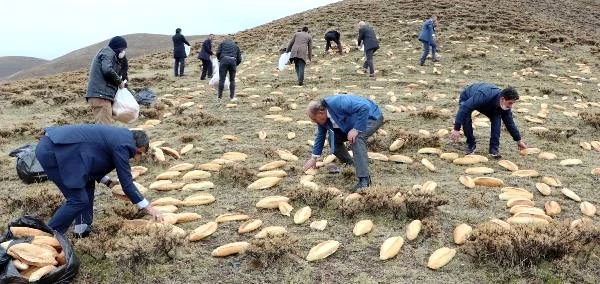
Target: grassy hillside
[
  {"x": 12, "y": 64},
  {"x": 139, "y": 44},
  {"x": 545, "y": 49}
]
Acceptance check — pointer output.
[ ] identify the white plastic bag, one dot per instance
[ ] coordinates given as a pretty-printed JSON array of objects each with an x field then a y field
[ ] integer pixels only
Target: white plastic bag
[
  {"x": 187, "y": 49},
  {"x": 214, "y": 81},
  {"x": 125, "y": 107},
  {"x": 284, "y": 59}
]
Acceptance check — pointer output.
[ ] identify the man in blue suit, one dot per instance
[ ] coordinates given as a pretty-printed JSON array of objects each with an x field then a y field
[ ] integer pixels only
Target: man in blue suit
[
  {"x": 204, "y": 56},
  {"x": 427, "y": 37},
  {"x": 75, "y": 157},
  {"x": 346, "y": 118},
  {"x": 494, "y": 103}
]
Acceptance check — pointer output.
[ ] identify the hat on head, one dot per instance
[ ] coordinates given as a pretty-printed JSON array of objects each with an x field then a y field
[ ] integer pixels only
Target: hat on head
[{"x": 117, "y": 43}]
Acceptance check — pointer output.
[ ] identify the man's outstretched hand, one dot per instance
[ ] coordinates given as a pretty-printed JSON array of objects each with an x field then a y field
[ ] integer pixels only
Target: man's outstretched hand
[
  {"x": 522, "y": 145},
  {"x": 454, "y": 135}
]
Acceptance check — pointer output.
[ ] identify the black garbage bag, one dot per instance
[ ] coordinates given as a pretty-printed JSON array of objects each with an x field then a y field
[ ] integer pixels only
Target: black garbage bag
[
  {"x": 145, "y": 97},
  {"x": 63, "y": 274},
  {"x": 28, "y": 167}
]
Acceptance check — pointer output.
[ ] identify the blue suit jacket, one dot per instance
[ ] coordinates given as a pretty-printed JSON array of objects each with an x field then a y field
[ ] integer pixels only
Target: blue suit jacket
[
  {"x": 427, "y": 31},
  {"x": 348, "y": 112},
  {"x": 366, "y": 36},
  {"x": 484, "y": 98},
  {"x": 88, "y": 152}
]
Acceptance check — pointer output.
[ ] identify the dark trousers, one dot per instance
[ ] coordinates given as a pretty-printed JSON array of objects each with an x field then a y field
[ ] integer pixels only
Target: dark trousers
[
  {"x": 495, "y": 125},
  {"x": 426, "y": 45},
  {"x": 359, "y": 147},
  {"x": 207, "y": 68},
  {"x": 227, "y": 65},
  {"x": 79, "y": 206},
  {"x": 299, "y": 64},
  {"x": 369, "y": 61},
  {"x": 179, "y": 64},
  {"x": 337, "y": 41}
]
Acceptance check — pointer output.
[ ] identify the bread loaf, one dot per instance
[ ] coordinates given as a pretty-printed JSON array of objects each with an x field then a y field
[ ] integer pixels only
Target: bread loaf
[
  {"x": 440, "y": 257},
  {"x": 229, "y": 249},
  {"x": 413, "y": 229},
  {"x": 461, "y": 233},
  {"x": 508, "y": 165},
  {"x": 195, "y": 175},
  {"x": 181, "y": 167},
  {"x": 570, "y": 194},
  {"x": 390, "y": 247},
  {"x": 302, "y": 215},
  {"x": 322, "y": 250},
  {"x": 488, "y": 181},
  {"x": 362, "y": 227},
  {"x": 271, "y": 202},
  {"x": 467, "y": 181},
  {"x": 228, "y": 217},
  {"x": 552, "y": 208},
  {"x": 271, "y": 231},
  {"x": 264, "y": 183},
  {"x": 249, "y": 226},
  {"x": 203, "y": 231}
]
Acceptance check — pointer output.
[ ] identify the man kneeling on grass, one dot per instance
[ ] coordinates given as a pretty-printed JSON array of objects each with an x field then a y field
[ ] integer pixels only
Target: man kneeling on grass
[{"x": 346, "y": 118}]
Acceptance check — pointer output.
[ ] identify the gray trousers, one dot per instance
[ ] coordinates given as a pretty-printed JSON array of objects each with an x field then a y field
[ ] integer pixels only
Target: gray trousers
[{"x": 359, "y": 147}]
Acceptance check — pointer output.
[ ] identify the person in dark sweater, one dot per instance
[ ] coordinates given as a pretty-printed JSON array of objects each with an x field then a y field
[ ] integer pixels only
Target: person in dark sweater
[
  {"x": 335, "y": 37},
  {"x": 230, "y": 57},
  {"x": 496, "y": 104},
  {"x": 204, "y": 56},
  {"x": 179, "y": 52}
]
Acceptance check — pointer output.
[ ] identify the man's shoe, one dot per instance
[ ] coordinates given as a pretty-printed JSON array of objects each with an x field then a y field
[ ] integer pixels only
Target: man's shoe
[
  {"x": 363, "y": 183},
  {"x": 85, "y": 234},
  {"x": 470, "y": 150},
  {"x": 333, "y": 169},
  {"x": 496, "y": 156},
  {"x": 234, "y": 99}
]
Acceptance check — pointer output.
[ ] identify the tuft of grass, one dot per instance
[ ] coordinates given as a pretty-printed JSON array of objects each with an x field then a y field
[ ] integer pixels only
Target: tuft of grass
[
  {"x": 319, "y": 197},
  {"x": 199, "y": 119},
  {"x": 23, "y": 101},
  {"x": 557, "y": 134},
  {"x": 236, "y": 175},
  {"x": 528, "y": 245},
  {"x": 413, "y": 139},
  {"x": 39, "y": 201},
  {"x": 265, "y": 252},
  {"x": 591, "y": 118}
]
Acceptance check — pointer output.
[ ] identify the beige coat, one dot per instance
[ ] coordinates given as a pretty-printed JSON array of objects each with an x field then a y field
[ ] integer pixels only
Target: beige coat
[{"x": 301, "y": 46}]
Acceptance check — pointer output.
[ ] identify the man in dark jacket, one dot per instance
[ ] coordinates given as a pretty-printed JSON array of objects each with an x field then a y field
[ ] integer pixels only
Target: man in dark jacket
[
  {"x": 427, "y": 37},
  {"x": 204, "y": 56},
  {"x": 347, "y": 118},
  {"x": 104, "y": 79},
  {"x": 179, "y": 52},
  {"x": 230, "y": 57},
  {"x": 75, "y": 157},
  {"x": 335, "y": 37},
  {"x": 300, "y": 49},
  {"x": 367, "y": 37},
  {"x": 494, "y": 103}
]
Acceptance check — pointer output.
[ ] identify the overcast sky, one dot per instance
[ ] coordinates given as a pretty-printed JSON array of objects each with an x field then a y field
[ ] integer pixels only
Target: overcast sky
[{"x": 51, "y": 28}]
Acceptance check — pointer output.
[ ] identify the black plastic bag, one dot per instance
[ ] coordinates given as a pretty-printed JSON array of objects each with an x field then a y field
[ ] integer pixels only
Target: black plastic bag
[
  {"x": 63, "y": 274},
  {"x": 145, "y": 97},
  {"x": 28, "y": 167}
]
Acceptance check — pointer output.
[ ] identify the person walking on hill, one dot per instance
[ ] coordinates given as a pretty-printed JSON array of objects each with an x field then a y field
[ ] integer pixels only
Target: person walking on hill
[
  {"x": 179, "y": 52},
  {"x": 346, "y": 118},
  {"x": 496, "y": 104},
  {"x": 230, "y": 57},
  {"x": 104, "y": 79},
  {"x": 367, "y": 37},
  {"x": 427, "y": 37},
  {"x": 75, "y": 157},
  {"x": 334, "y": 36},
  {"x": 300, "y": 49},
  {"x": 204, "y": 56}
]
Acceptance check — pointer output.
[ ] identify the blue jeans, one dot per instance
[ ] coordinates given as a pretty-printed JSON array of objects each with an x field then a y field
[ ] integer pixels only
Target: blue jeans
[
  {"x": 495, "y": 125},
  {"x": 79, "y": 206},
  {"x": 426, "y": 46},
  {"x": 179, "y": 64}
]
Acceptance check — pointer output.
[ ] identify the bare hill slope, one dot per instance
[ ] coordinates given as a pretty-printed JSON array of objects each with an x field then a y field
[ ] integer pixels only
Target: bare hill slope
[{"x": 12, "y": 64}]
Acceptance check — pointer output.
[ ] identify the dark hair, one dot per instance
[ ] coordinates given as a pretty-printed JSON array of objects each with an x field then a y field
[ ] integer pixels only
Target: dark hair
[
  {"x": 178, "y": 30},
  {"x": 509, "y": 94},
  {"x": 141, "y": 139},
  {"x": 305, "y": 29}
]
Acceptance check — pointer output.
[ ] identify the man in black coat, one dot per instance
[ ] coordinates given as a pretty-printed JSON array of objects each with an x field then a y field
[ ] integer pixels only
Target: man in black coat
[
  {"x": 179, "y": 52},
  {"x": 230, "y": 57},
  {"x": 335, "y": 37},
  {"x": 366, "y": 36},
  {"x": 204, "y": 55}
]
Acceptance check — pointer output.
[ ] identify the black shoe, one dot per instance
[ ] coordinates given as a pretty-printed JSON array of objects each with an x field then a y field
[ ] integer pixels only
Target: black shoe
[
  {"x": 470, "y": 150},
  {"x": 363, "y": 183},
  {"x": 300, "y": 83},
  {"x": 85, "y": 234},
  {"x": 496, "y": 156}
]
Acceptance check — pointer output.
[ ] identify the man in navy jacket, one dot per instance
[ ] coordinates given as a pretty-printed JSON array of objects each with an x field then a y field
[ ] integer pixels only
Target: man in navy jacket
[
  {"x": 346, "y": 118},
  {"x": 179, "y": 52},
  {"x": 204, "y": 56},
  {"x": 75, "y": 157},
  {"x": 427, "y": 37},
  {"x": 492, "y": 102}
]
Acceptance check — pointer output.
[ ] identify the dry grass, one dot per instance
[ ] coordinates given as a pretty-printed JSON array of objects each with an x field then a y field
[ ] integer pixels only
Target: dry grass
[
  {"x": 527, "y": 245},
  {"x": 265, "y": 252},
  {"x": 592, "y": 119}
]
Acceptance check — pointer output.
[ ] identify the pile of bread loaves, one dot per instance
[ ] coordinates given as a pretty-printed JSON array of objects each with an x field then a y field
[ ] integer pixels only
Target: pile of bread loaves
[{"x": 37, "y": 258}]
